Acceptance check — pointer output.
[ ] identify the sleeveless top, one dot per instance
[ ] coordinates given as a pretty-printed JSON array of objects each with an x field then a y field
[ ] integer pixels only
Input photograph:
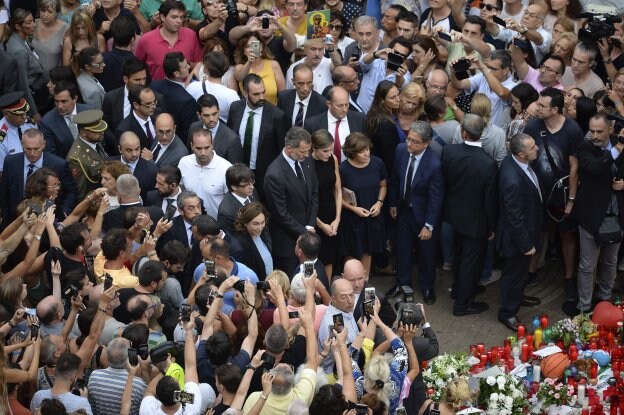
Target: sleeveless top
[{"x": 270, "y": 84}]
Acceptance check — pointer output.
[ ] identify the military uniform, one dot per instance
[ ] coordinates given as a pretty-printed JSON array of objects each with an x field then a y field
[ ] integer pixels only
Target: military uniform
[
  {"x": 84, "y": 160},
  {"x": 11, "y": 135}
]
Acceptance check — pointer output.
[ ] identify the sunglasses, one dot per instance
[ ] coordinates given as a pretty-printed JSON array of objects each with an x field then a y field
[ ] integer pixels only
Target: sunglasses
[{"x": 488, "y": 7}]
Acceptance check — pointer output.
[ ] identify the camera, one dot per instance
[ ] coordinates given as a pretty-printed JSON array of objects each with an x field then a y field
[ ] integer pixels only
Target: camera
[
  {"x": 135, "y": 353},
  {"x": 263, "y": 286},
  {"x": 410, "y": 313},
  {"x": 406, "y": 296},
  {"x": 78, "y": 386},
  {"x": 230, "y": 6},
  {"x": 240, "y": 286},
  {"x": 395, "y": 60},
  {"x": 462, "y": 69},
  {"x": 599, "y": 26},
  {"x": 183, "y": 397}
]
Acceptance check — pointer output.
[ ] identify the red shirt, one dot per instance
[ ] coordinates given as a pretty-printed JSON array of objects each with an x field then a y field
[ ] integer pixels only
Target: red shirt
[{"x": 152, "y": 49}]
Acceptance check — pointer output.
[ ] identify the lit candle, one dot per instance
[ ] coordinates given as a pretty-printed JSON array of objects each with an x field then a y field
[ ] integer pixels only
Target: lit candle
[
  {"x": 521, "y": 331},
  {"x": 536, "y": 373},
  {"x": 525, "y": 352}
]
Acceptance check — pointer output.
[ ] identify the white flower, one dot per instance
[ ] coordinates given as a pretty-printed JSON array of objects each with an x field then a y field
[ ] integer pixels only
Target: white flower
[
  {"x": 493, "y": 397},
  {"x": 508, "y": 401},
  {"x": 491, "y": 380},
  {"x": 501, "y": 382}
]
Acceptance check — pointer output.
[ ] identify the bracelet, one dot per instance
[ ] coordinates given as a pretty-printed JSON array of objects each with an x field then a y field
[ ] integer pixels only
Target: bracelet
[
  {"x": 102, "y": 310},
  {"x": 571, "y": 198},
  {"x": 380, "y": 201},
  {"x": 263, "y": 396},
  {"x": 37, "y": 237}
]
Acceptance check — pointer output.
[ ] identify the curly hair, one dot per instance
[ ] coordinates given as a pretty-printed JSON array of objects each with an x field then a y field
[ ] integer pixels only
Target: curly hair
[
  {"x": 115, "y": 168},
  {"x": 37, "y": 184},
  {"x": 239, "y": 52},
  {"x": 247, "y": 213}
]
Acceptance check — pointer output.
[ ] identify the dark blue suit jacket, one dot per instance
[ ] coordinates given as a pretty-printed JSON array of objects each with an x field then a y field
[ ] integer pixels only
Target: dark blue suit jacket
[
  {"x": 181, "y": 105},
  {"x": 427, "y": 195},
  {"x": 12, "y": 185},
  {"x": 56, "y": 132},
  {"x": 145, "y": 172}
]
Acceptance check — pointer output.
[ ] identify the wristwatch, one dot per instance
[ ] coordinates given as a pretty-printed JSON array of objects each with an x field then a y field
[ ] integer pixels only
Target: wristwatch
[
  {"x": 249, "y": 366},
  {"x": 429, "y": 227},
  {"x": 607, "y": 60}
]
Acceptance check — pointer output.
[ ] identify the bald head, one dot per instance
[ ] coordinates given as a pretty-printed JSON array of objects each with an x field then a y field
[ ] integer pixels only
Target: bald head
[
  {"x": 437, "y": 82},
  {"x": 50, "y": 310},
  {"x": 355, "y": 273},
  {"x": 343, "y": 295},
  {"x": 129, "y": 147},
  {"x": 345, "y": 77},
  {"x": 338, "y": 102},
  {"x": 165, "y": 128}
]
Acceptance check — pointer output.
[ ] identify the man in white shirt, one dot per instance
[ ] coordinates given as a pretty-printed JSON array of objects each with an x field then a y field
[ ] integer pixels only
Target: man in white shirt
[
  {"x": 321, "y": 66},
  {"x": 204, "y": 171}
]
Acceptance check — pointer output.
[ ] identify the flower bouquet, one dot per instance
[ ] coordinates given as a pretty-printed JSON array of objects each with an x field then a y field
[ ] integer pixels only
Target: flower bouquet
[
  {"x": 552, "y": 394},
  {"x": 442, "y": 370},
  {"x": 502, "y": 395},
  {"x": 566, "y": 330}
]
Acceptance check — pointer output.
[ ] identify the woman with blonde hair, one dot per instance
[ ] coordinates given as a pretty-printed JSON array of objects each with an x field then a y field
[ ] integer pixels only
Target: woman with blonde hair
[
  {"x": 81, "y": 34},
  {"x": 456, "y": 394},
  {"x": 493, "y": 136},
  {"x": 564, "y": 46},
  {"x": 562, "y": 24},
  {"x": 263, "y": 65},
  {"x": 412, "y": 105}
]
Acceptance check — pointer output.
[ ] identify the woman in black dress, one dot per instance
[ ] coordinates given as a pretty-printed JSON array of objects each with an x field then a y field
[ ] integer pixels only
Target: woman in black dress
[
  {"x": 383, "y": 127},
  {"x": 363, "y": 231},
  {"x": 329, "y": 195}
]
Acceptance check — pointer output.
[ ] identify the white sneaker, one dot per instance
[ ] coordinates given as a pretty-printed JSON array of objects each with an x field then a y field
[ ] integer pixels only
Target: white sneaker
[{"x": 494, "y": 276}]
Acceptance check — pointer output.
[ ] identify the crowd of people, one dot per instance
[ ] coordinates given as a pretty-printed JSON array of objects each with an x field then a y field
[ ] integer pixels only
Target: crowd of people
[{"x": 194, "y": 195}]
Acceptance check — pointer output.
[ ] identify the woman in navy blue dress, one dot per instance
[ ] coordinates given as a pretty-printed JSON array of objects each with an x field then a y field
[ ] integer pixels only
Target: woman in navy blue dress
[{"x": 363, "y": 231}]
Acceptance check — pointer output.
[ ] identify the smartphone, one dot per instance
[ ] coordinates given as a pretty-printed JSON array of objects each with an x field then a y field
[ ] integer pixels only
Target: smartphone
[
  {"x": 89, "y": 262},
  {"x": 499, "y": 21},
  {"x": 308, "y": 269},
  {"x": 445, "y": 36},
  {"x": 394, "y": 61},
  {"x": 48, "y": 203},
  {"x": 183, "y": 397},
  {"x": 170, "y": 213},
  {"x": 36, "y": 208},
  {"x": 328, "y": 39},
  {"x": 133, "y": 357},
  {"x": 78, "y": 386},
  {"x": 70, "y": 292},
  {"x": 255, "y": 47},
  {"x": 34, "y": 331},
  {"x": 355, "y": 56},
  {"x": 361, "y": 409},
  {"x": 210, "y": 268},
  {"x": 185, "y": 312},
  {"x": 369, "y": 301},
  {"x": 108, "y": 281},
  {"x": 461, "y": 69},
  {"x": 268, "y": 359},
  {"x": 293, "y": 314},
  {"x": 331, "y": 331},
  {"x": 338, "y": 322},
  {"x": 265, "y": 22}
]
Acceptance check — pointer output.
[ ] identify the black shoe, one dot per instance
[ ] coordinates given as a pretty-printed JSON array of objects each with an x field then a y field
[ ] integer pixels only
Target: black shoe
[
  {"x": 429, "y": 297},
  {"x": 511, "y": 323},
  {"x": 533, "y": 279},
  {"x": 528, "y": 301},
  {"x": 570, "y": 290},
  {"x": 475, "y": 307},
  {"x": 393, "y": 292},
  {"x": 480, "y": 289}
]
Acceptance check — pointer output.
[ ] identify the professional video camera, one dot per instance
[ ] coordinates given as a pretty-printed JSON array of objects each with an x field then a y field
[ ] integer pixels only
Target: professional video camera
[
  {"x": 599, "y": 26},
  {"x": 407, "y": 296}
]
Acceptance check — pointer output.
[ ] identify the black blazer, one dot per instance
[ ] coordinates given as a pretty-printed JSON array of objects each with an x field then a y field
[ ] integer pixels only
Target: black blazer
[
  {"x": 12, "y": 185},
  {"x": 292, "y": 206},
  {"x": 172, "y": 155},
  {"x": 182, "y": 106},
  {"x": 470, "y": 175},
  {"x": 251, "y": 257},
  {"x": 145, "y": 172},
  {"x": 286, "y": 102},
  {"x": 321, "y": 275},
  {"x": 130, "y": 123},
  {"x": 56, "y": 132},
  {"x": 386, "y": 312},
  {"x": 153, "y": 198},
  {"x": 8, "y": 73},
  {"x": 273, "y": 127},
  {"x": 228, "y": 209},
  {"x": 595, "y": 180},
  {"x": 226, "y": 142},
  {"x": 521, "y": 210},
  {"x": 113, "y": 107},
  {"x": 177, "y": 232},
  {"x": 114, "y": 218},
  {"x": 385, "y": 139},
  {"x": 357, "y": 122}
]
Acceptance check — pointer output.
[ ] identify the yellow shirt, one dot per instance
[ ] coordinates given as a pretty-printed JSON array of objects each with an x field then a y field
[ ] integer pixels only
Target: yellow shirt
[
  {"x": 122, "y": 278},
  {"x": 277, "y": 405},
  {"x": 302, "y": 29}
]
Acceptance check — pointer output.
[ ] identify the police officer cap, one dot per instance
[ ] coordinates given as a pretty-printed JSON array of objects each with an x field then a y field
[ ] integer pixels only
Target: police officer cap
[
  {"x": 91, "y": 120},
  {"x": 14, "y": 102}
]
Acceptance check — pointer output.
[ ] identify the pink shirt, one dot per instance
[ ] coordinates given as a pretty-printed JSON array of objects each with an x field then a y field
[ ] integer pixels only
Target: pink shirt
[
  {"x": 532, "y": 79},
  {"x": 320, "y": 313},
  {"x": 152, "y": 49}
]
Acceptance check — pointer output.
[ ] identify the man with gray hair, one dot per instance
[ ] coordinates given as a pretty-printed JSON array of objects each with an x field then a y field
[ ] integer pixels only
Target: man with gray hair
[
  {"x": 416, "y": 196},
  {"x": 129, "y": 193},
  {"x": 106, "y": 386},
  {"x": 291, "y": 192},
  {"x": 470, "y": 177}
]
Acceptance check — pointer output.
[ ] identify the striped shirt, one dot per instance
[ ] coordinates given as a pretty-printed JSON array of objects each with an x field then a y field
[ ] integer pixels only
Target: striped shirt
[{"x": 106, "y": 386}]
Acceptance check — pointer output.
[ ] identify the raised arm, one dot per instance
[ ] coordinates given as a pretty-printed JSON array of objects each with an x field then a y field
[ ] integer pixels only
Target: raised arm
[
  {"x": 86, "y": 349},
  {"x": 126, "y": 398},
  {"x": 252, "y": 321},
  {"x": 311, "y": 343},
  {"x": 348, "y": 385},
  {"x": 190, "y": 358},
  {"x": 276, "y": 295},
  {"x": 21, "y": 268}
]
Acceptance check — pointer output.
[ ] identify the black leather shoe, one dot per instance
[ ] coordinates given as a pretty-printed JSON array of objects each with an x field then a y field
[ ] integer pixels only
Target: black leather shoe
[
  {"x": 511, "y": 323},
  {"x": 528, "y": 301},
  {"x": 480, "y": 289},
  {"x": 533, "y": 279},
  {"x": 393, "y": 292},
  {"x": 429, "y": 297},
  {"x": 475, "y": 308}
]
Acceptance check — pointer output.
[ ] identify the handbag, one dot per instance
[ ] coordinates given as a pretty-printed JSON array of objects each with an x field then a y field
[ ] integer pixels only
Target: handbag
[
  {"x": 609, "y": 231},
  {"x": 348, "y": 196}
]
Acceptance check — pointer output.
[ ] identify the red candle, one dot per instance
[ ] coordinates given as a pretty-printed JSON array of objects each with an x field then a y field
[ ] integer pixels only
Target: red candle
[
  {"x": 473, "y": 349},
  {"x": 521, "y": 331},
  {"x": 507, "y": 352},
  {"x": 525, "y": 352},
  {"x": 480, "y": 348},
  {"x": 529, "y": 339},
  {"x": 484, "y": 359},
  {"x": 544, "y": 320},
  {"x": 510, "y": 364},
  {"x": 495, "y": 355}
]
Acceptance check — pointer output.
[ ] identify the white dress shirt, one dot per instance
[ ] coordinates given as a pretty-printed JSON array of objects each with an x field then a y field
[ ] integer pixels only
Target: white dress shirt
[
  {"x": 343, "y": 131},
  {"x": 127, "y": 108},
  {"x": 306, "y": 103},
  {"x": 255, "y": 136}
]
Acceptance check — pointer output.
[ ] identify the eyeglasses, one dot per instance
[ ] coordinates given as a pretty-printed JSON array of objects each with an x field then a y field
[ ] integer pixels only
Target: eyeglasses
[
  {"x": 354, "y": 80},
  {"x": 533, "y": 15},
  {"x": 335, "y": 27},
  {"x": 55, "y": 186},
  {"x": 150, "y": 104},
  {"x": 493, "y": 69},
  {"x": 437, "y": 87},
  {"x": 247, "y": 184},
  {"x": 544, "y": 68},
  {"x": 164, "y": 133},
  {"x": 488, "y": 7}
]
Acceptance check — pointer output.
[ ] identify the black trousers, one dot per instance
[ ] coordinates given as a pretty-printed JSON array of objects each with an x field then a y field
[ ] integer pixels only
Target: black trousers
[
  {"x": 469, "y": 259},
  {"x": 512, "y": 283}
]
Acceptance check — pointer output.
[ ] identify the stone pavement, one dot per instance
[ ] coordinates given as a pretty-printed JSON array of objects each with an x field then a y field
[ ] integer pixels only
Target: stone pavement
[{"x": 458, "y": 333}]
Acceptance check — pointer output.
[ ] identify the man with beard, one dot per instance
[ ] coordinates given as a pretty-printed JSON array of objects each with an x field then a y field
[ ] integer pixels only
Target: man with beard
[
  {"x": 165, "y": 196},
  {"x": 260, "y": 125}
]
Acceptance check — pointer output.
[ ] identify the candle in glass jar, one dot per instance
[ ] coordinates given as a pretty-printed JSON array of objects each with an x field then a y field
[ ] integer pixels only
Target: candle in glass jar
[
  {"x": 536, "y": 373},
  {"x": 538, "y": 338},
  {"x": 521, "y": 331},
  {"x": 480, "y": 348},
  {"x": 525, "y": 352},
  {"x": 544, "y": 321}
]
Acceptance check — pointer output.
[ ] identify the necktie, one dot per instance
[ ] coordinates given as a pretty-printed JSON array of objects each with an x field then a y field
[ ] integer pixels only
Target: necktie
[
  {"x": 248, "y": 138},
  {"x": 337, "y": 146},
  {"x": 408, "y": 179},
  {"x": 299, "y": 172},
  {"x": 170, "y": 209},
  {"x": 19, "y": 133},
  {"x": 534, "y": 179},
  {"x": 156, "y": 152},
  {"x": 73, "y": 128},
  {"x": 100, "y": 150},
  {"x": 299, "y": 118},
  {"x": 247, "y": 201},
  {"x": 190, "y": 235},
  {"x": 148, "y": 132},
  {"x": 31, "y": 170}
]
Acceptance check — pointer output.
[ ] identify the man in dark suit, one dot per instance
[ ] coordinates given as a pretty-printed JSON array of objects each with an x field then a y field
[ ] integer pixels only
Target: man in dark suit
[
  {"x": 260, "y": 125},
  {"x": 167, "y": 149},
  {"x": 225, "y": 141},
  {"x": 239, "y": 180},
  {"x": 334, "y": 118},
  {"x": 346, "y": 77},
  {"x": 189, "y": 207},
  {"x": 519, "y": 225},
  {"x": 140, "y": 121},
  {"x": 116, "y": 105},
  {"x": 8, "y": 73},
  {"x": 416, "y": 197},
  {"x": 291, "y": 193},
  {"x": 129, "y": 196},
  {"x": 181, "y": 104},
  {"x": 302, "y": 102},
  {"x": 307, "y": 249},
  {"x": 599, "y": 196},
  {"x": 144, "y": 170},
  {"x": 470, "y": 177},
  {"x": 58, "y": 127},
  {"x": 16, "y": 171},
  {"x": 165, "y": 196}
]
